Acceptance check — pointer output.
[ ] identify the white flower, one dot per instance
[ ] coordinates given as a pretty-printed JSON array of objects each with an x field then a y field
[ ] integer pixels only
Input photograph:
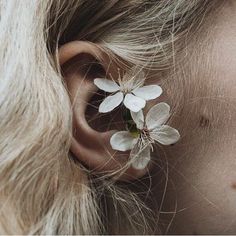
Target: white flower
[
  {"x": 129, "y": 90},
  {"x": 150, "y": 130}
]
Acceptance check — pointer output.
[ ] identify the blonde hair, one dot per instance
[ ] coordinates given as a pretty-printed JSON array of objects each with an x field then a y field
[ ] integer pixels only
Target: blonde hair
[{"x": 43, "y": 190}]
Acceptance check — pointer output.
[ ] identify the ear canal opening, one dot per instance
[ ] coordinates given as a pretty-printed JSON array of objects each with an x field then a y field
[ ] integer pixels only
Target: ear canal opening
[{"x": 103, "y": 122}]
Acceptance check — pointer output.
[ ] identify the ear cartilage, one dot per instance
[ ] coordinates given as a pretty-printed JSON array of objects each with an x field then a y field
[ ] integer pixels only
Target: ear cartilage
[{"x": 142, "y": 132}]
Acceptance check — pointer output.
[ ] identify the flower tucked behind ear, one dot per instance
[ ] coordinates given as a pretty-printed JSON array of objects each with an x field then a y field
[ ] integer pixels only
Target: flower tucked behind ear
[
  {"x": 149, "y": 130},
  {"x": 129, "y": 90}
]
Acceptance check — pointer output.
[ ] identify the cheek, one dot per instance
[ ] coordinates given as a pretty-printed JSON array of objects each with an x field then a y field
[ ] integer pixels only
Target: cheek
[{"x": 201, "y": 189}]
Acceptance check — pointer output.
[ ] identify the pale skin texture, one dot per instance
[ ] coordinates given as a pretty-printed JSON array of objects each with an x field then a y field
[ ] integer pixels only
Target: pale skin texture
[{"x": 202, "y": 166}]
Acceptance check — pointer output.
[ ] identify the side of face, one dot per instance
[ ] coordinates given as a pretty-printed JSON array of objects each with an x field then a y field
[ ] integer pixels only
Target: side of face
[{"x": 201, "y": 192}]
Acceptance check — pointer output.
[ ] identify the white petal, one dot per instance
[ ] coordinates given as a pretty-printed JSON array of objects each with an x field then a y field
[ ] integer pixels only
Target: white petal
[
  {"x": 134, "y": 103},
  {"x": 165, "y": 135},
  {"x": 122, "y": 141},
  {"x": 106, "y": 85},
  {"x": 138, "y": 118},
  {"x": 111, "y": 102},
  {"x": 148, "y": 92},
  {"x": 140, "y": 157},
  {"x": 157, "y": 115}
]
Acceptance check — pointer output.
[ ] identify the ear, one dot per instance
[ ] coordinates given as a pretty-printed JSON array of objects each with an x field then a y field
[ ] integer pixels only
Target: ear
[{"x": 91, "y": 147}]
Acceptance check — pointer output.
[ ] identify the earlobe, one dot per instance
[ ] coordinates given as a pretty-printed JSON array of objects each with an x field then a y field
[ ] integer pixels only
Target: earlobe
[{"x": 92, "y": 148}]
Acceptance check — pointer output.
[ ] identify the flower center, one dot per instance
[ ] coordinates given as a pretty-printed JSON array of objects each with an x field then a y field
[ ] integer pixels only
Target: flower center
[
  {"x": 125, "y": 90},
  {"x": 145, "y": 135},
  {"x": 126, "y": 86}
]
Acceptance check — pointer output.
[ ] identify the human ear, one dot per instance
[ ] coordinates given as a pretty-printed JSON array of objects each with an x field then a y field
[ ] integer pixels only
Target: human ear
[{"x": 91, "y": 147}]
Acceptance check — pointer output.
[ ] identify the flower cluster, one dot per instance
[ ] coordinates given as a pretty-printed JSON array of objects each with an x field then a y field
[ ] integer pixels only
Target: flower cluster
[{"x": 142, "y": 132}]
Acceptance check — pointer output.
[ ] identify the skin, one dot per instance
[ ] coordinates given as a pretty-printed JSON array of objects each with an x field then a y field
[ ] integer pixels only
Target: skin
[{"x": 201, "y": 188}]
